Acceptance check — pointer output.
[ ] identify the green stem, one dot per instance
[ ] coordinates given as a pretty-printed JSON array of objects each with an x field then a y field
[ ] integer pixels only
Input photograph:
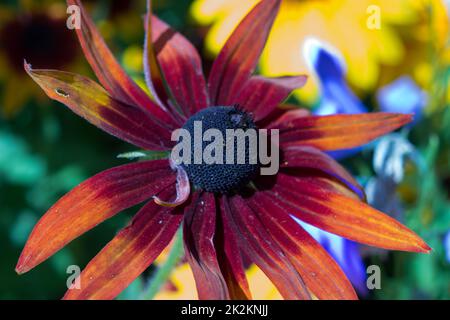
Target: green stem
[{"x": 162, "y": 274}]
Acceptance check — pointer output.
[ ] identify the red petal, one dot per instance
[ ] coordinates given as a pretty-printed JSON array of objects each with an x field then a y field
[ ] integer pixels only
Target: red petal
[
  {"x": 239, "y": 57},
  {"x": 320, "y": 272},
  {"x": 348, "y": 217},
  {"x": 108, "y": 70},
  {"x": 90, "y": 203},
  {"x": 338, "y": 132},
  {"x": 261, "y": 96},
  {"x": 125, "y": 257},
  {"x": 153, "y": 74},
  {"x": 90, "y": 101},
  {"x": 230, "y": 259},
  {"x": 288, "y": 116},
  {"x": 309, "y": 157},
  {"x": 198, "y": 230},
  {"x": 258, "y": 245},
  {"x": 182, "y": 67}
]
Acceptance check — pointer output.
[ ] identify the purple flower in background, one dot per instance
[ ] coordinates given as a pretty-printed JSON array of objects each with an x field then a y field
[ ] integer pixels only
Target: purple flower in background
[
  {"x": 336, "y": 96},
  {"x": 403, "y": 96},
  {"x": 329, "y": 67},
  {"x": 447, "y": 245},
  {"x": 345, "y": 252}
]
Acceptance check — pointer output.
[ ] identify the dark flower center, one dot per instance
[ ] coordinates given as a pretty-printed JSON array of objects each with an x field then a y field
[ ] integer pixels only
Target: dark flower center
[{"x": 222, "y": 176}]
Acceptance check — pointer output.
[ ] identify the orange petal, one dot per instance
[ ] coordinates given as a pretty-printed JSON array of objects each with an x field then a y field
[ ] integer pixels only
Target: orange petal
[
  {"x": 125, "y": 257},
  {"x": 90, "y": 203},
  {"x": 336, "y": 132},
  {"x": 90, "y": 101},
  {"x": 321, "y": 273},
  {"x": 345, "y": 216}
]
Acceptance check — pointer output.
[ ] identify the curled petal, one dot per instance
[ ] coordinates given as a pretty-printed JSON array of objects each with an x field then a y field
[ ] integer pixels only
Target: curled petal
[
  {"x": 90, "y": 203},
  {"x": 258, "y": 245},
  {"x": 239, "y": 57},
  {"x": 320, "y": 272},
  {"x": 261, "y": 96},
  {"x": 90, "y": 101},
  {"x": 109, "y": 72},
  {"x": 199, "y": 229},
  {"x": 338, "y": 132},
  {"x": 125, "y": 257},
  {"x": 183, "y": 190},
  {"x": 345, "y": 216}
]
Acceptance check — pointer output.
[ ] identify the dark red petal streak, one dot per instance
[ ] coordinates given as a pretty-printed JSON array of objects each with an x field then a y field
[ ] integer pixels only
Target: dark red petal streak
[
  {"x": 109, "y": 72},
  {"x": 258, "y": 245},
  {"x": 336, "y": 132},
  {"x": 125, "y": 257},
  {"x": 230, "y": 258},
  {"x": 309, "y": 157},
  {"x": 261, "y": 96},
  {"x": 181, "y": 66},
  {"x": 321, "y": 274},
  {"x": 239, "y": 56},
  {"x": 90, "y": 101},
  {"x": 288, "y": 115},
  {"x": 198, "y": 231},
  {"x": 90, "y": 203}
]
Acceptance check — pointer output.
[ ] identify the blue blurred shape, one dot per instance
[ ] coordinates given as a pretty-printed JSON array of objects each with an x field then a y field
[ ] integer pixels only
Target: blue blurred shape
[
  {"x": 447, "y": 246},
  {"x": 329, "y": 68},
  {"x": 402, "y": 96},
  {"x": 345, "y": 252}
]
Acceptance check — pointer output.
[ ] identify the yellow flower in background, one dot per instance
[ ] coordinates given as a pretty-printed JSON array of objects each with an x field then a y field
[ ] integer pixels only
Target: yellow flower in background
[
  {"x": 343, "y": 24},
  {"x": 181, "y": 285}
]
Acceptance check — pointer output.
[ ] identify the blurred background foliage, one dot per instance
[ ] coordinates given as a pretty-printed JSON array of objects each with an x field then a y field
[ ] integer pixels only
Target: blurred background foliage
[{"x": 45, "y": 150}]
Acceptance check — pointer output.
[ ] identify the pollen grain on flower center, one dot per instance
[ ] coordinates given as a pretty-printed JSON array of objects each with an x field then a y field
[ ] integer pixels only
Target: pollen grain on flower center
[{"x": 221, "y": 177}]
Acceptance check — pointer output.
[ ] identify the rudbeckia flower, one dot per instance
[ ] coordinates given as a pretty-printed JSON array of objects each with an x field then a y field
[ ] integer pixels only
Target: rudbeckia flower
[{"x": 250, "y": 215}]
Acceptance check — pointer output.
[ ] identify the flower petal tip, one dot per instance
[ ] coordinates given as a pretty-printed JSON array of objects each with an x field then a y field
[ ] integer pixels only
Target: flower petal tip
[
  {"x": 27, "y": 66},
  {"x": 425, "y": 248},
  {"x": 22, "y": 267},
  {"x": 19, "y": 271}
]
